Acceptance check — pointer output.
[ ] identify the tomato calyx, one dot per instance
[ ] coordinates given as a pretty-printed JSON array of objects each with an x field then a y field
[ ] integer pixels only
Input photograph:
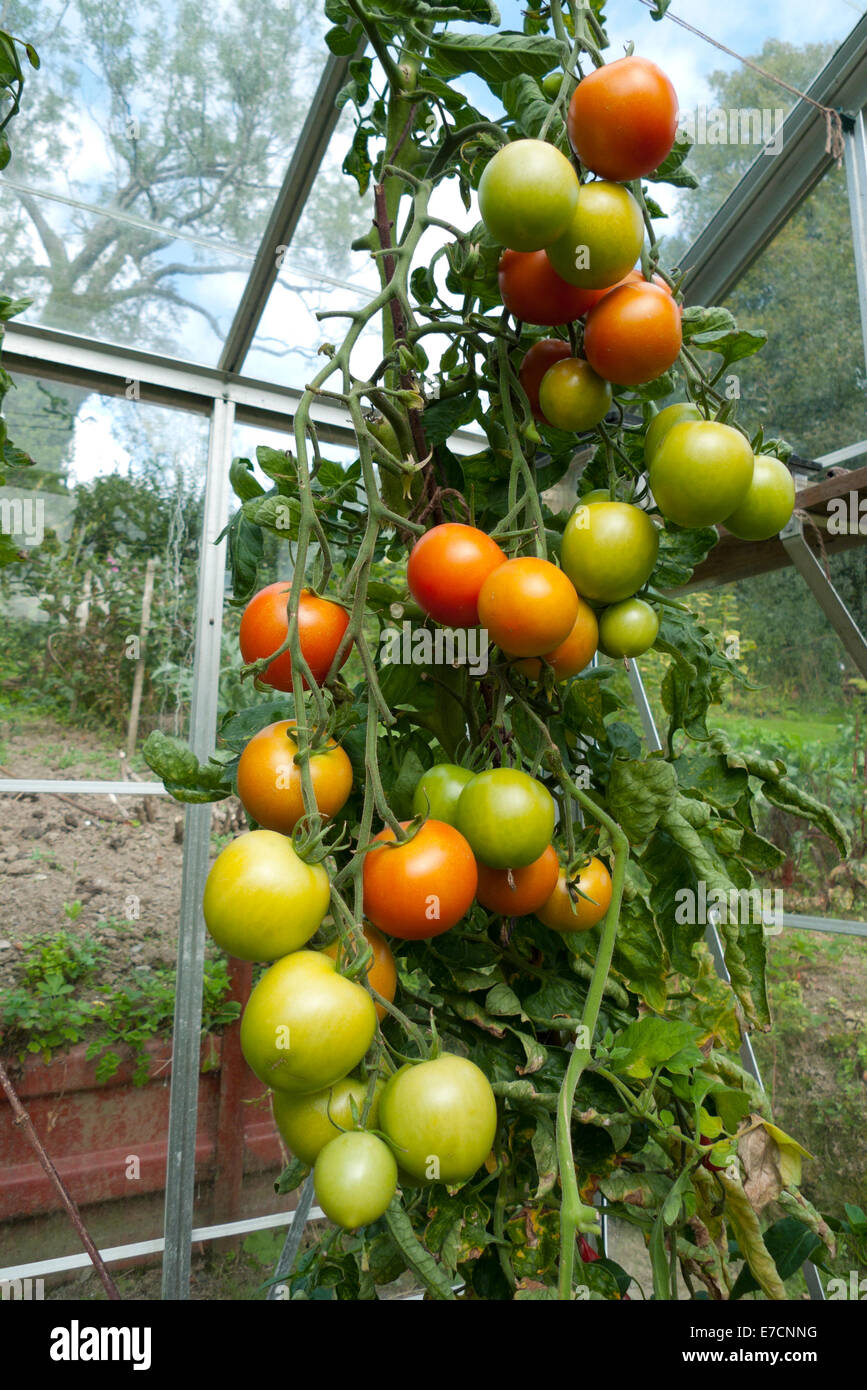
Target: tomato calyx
[{"x": 313, "y": 839}]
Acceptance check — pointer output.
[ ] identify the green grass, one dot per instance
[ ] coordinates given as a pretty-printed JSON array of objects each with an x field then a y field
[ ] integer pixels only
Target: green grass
[{"x": 816, "y": 728}]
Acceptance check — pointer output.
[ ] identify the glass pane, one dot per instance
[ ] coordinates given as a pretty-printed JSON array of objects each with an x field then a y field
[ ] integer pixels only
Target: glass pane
[
  {"x": 169, "y": 129},
  {"x": 320, "y": 272},
  {"x": 98, "y": 616}
]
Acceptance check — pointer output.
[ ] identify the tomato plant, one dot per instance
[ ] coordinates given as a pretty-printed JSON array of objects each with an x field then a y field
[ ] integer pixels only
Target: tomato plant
[
  {"x": 421, "y": 887},
  {"x": 269, "y": 781},
  {"x": 446, "y": 569},
  {"x": 381, "y": 971},
  {"x": 527, "y": 606},
  {"x": 700, "y": 472},
  {"x": 527, "y": 195},
  {"x": 532, "y": 1051},
  {"x": 623, "y": 119},
  {"x": 265, "y": 629},
  {"x": 261, "y": 900}
]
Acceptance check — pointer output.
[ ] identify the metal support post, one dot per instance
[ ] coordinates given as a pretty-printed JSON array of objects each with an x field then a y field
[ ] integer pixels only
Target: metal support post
[
  {"x": 712, "y": 937},
  {"x": 824, "y": 593},
  {"x": 856, "y": 182},
  {"x": 183, "y": 1105}
]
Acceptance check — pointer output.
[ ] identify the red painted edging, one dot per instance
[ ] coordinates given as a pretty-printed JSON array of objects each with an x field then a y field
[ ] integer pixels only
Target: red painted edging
[{"x": 108, "y": 1139}]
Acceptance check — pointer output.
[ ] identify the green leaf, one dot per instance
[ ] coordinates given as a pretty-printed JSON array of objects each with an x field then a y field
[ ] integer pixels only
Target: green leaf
[
  {"x": 789, "y": 1243},
  {"x": 545, "y": 1155},
  {"x": 679, "y": 553},
  {"x": 502, "y": 1001},
  {"x": 419, "y": 1260},
  {"x": 343, "y": 41},
  {"x": 178, "y": 768},
  {"x": 639, "y": 793},
  {"x": 244, "y": 485},
  {"x": 495, "y": 58},
  {"x": 529, "y": 109},
  {"x": 292, "y": 1176},
  {"x": 659, "y": 1261},
  {"x": 644, "y": 1045},
  {"x": 671, "y": 169}
]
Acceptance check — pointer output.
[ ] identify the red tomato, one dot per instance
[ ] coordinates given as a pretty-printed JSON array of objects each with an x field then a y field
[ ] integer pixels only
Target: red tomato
[
  {"x": 446, "y": 569},
  {"x": 532, "y": 290},
  {"x": 540, "y": 357},
  {"x": 423, "y": 887},
  {"x": 633, "y": 334},
  {"x": 381, "y": 972},
  {"x": 529, "y": 888},
  {"x": 528, "y": 606},
  {"x": 264, "y": 625},
  {"x": 622, "y": 119}
]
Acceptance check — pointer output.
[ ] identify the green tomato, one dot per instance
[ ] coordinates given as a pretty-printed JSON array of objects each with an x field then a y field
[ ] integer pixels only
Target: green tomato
[
  {"x": 701, "y": 471},
  {"x": 768, "y": 504},
  {"x": 550, "y": 84},
  {"x": 261, "y": 900},
  {"x": 440, "y": 1117},
  {"x": 439, "y": 790},
  {"x": 662, "y": 423},
  {"x": 305, "y": 1027},
  {"x": 602, "y": 240},
  {"x": 572, "y": 397},
  {"x": 354, "y": 1179},
  {"x": 308, "y": 1123},
  {"x": 507, "y": 817},
  {"x": 527, "y": 195},
  {"x": 609, "y": 550},
  {"x": 598, "y": 494},
  {"x": 628, "y": 628}
]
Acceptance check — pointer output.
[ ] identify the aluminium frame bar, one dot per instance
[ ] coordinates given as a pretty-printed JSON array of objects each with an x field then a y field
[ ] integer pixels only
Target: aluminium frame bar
[
  {"x": 823, "y": 591},
  {"x": 187, "y": 1032}
]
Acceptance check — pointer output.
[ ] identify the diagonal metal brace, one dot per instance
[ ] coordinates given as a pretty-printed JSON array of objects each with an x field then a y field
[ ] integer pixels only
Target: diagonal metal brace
[{"x": 823, "y": 591}]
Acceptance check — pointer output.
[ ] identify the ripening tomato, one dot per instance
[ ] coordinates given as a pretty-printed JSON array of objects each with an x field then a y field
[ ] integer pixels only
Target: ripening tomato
[
  {"x": 381, "y": 972},
  {"x": 507, "y": 817},
  {"x": 441, "y": 1118},
  {"x": 537, "y": 360},
  {"x": 622, "y": 119},
  {"x": 528, "y": 606},
  {"x": 438, "y": 791},
  {"x": 609, "y": 550},
  {"x": 700, "y": 472},
  {"x": 264, "y": 626},
  {"x": 308, "y": 1123},
  {"x": 602, "y": 240},
  {"x": 628, "y": 628},
  {"x": 573, "y": 654},
  {"x": 633, "y": 334},
  {"x": 662, "y": 423},
  {"x": 354, "y": 1179},
  {"x": 305, "y": 1027},
  {"x": 562, "y": 914},
  {"x": 515, "y": 892},
  {"x": 572, "y": 397},
  {"x": 261, "y": 900},
  {"x": 269, "y": 780},
  {"x": 527, "y": 194},
  {"x": 422, "y": 887},
  {"x": 768, "y": 504},
  {"x": 531, "y": 289},
  {"x": 446, "y": 569}
]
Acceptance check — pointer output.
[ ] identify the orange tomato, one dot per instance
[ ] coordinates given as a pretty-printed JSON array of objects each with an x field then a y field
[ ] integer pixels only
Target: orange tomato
[
  {"x": 269, "y": 781},
  {"x": 446, "y": 569},
  {"x": 264, "y": 626},
  {"x": 528, "y": 606},
  {"x": 573, "y": 654},
  {"x": 622, "y": 119},
  {"x": 560, "y": 913},
  {"x": 381, "y": 972},
  {"x": 529, "y": 889},
  {"x": 420, "y": 888},
  {"x": 633, "y": 334}
]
